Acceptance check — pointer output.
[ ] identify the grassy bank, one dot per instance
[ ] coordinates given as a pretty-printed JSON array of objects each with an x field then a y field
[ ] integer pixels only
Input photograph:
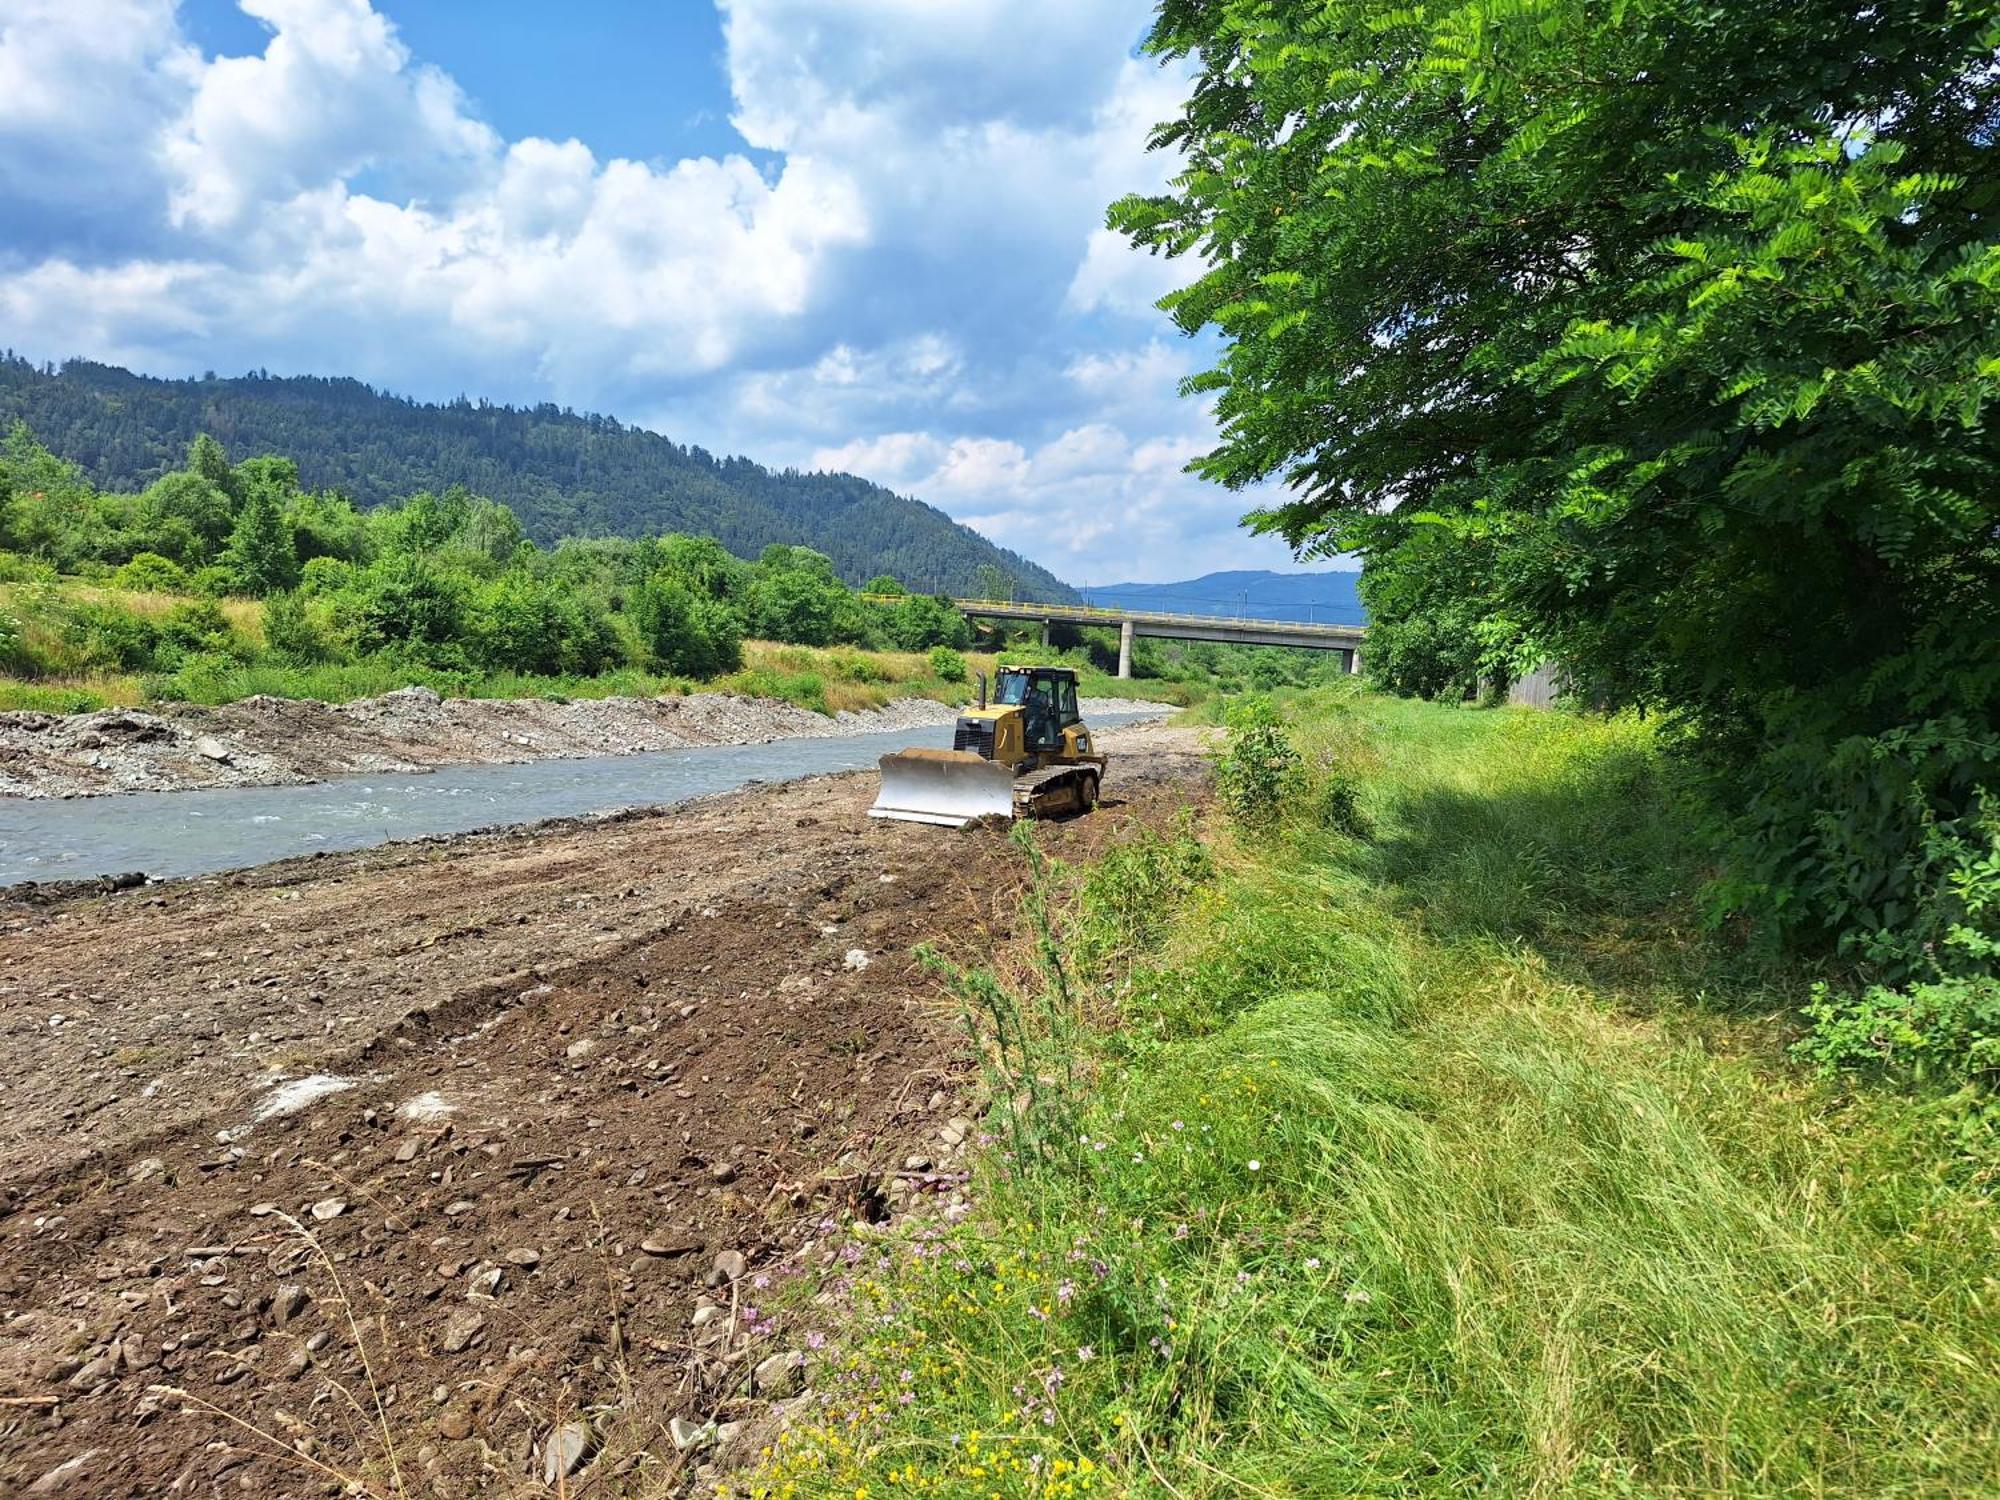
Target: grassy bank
[{"x": 1418, "y": 1144}]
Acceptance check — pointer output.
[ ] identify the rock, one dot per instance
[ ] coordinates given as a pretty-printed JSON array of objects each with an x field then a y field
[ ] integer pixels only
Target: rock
[
  {"x": 523, "y": 1257},
  {"x": 329, "y": 1208},
  {"x": 916, "y": 1163},
  {"x": 96, "y": 1371},
  {"x": 57, "y": 1479},
  {"x": 462, "y": 1331},
  {"x": 780, "y": 1375},
  {"x": 728, "y": 1266},
  {"x": 857, "y": 958},
  {"x": 688, "y": 1434},
  {"x": 663, "y": 1245},
  {"x": 142, "y": 1171},
  {"x": 936, "y": 1102},
  {"x": 262, "y": 1210},
  {"x": 455, "y": 1425},
  {"x": 723, "y": 1171},
  {"x": 409, "y": 1149},
  {"x": 287, "y": 1303},
  {"x": 566, "y": 1451},
  {"x": 487, "y": 1281},
  {"x": 955, "y": 1130},
  {"x": 462, "y": 1206},
  {"x": 577, "y": 1051},
  {"x": 727, "y": 1433},
  {"x": 210, "y": 748}
]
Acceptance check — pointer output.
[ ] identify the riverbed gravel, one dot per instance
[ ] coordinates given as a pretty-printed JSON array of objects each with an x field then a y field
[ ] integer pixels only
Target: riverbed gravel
[{"x": 266, "y": 741}]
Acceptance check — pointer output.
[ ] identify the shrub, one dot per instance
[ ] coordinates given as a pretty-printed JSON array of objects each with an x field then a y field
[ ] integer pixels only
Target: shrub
[
  {"x": 1260, "y": 768},
  {"x": 947, "y": 665},
  {"x": 150, "y": 573},
  {"x": 322, "y": 576},
  {"x": 15, "y": 568},
  {"x": 217, "y": 580},
  {"x": 291, "y": 631},
  {"x": 104, "y": 635}
]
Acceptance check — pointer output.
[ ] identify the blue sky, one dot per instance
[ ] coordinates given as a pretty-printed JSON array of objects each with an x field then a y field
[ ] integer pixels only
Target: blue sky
[{"x": 855, "y": 234}]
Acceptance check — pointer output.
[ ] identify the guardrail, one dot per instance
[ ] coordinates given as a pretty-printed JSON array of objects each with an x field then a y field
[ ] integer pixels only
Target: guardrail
[{"x": 1015, "y": 609}]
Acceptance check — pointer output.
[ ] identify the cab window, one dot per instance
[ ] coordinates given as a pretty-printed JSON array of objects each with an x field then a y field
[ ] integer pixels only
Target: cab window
[
  {"x": 1010, "y": 689},
  {"x": 1066, "y": 703}
]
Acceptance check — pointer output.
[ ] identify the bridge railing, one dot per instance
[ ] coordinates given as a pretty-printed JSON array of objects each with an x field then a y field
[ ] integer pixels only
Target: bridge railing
[{"x": 1014, "y": 608}]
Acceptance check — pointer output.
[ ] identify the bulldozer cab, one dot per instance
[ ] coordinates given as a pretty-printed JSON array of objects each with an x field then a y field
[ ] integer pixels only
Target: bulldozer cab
[{"x": 1046, "y": 697}]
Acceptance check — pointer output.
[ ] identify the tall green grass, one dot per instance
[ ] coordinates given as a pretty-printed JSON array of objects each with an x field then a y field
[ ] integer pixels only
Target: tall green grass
[{"x": 1455, "y": 1159}]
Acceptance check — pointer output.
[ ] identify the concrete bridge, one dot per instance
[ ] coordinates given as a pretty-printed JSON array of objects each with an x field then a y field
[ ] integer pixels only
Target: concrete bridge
[{"x": 1345, "y": 639}]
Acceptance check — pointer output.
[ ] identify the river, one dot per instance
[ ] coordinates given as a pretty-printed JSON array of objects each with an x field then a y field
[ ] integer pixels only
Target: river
[{"x": 227, "y": 828}]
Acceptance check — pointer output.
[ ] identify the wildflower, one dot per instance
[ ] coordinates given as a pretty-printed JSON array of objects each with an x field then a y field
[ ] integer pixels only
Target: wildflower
[
  {"x": 1179, "y": 1126},
  {"x": 1085, "y": 1353},
  {"x": 815, "y": 1339},
  {"x": 1256, "y": 1165},
  {"x": 1312, "y": 1262},
  {"x": 1065, "y": 1291},
  {"x": 1359, "y": 1295},
  {"x": 1053, "y": 1380},
  {"x": 760, "y": 1281},
  {"x": 1181, "y": 1231},
  {"x": 907, "y": 1376}
]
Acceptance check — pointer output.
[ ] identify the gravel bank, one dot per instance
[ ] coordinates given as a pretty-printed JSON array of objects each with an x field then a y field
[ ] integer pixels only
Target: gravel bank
[{"x": 266, "y": 741}]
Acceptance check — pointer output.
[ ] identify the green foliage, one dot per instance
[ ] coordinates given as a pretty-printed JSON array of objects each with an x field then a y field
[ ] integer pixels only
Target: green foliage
[
  {"x": 917, "y": 622},
  {"x": 685, "y": 632},
  {"x": 148, "y": 572},
  {"x": 883, "y": 584},
  {"x": 1387, "y": 1210},
  {"x": 1260, "y": 769},
  {"x": 1655, "y": 339},
  {"x": 947, "y": 665},
  {"x": 291, "y": 631},
  {"x": 411, "y": 604},
  {"x": 260, "y": 551},
  {"x": 324, "y": 575},
  {"x": 561, "y": 473}
]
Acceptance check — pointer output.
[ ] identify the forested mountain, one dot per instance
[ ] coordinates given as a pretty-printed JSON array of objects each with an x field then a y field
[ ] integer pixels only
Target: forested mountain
[
  {"x": 561, "y": 473},
  {"x": 1326, "y": 598}
]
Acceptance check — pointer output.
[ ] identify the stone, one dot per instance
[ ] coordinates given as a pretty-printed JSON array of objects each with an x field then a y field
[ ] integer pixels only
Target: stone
[
  {"x": 287, "y": 1303},
  {"x": 727, "y": 1433},
  {"x": 56, "y": 1480},
  {"x": 663, "y": 1245},
  {"x": 462, "y": 1206},
  {"x": 329, "y": 1208},
  {"x": 487, "y": 1281},
  {"x": 780, "y": 1375},
  {"x": 955, "y": 1130},
  {"x": 723, "y": 1171},
  {"x": 916, "y": 1163},
  {"x": 566, "y": 1451},
  {"x": 409, "y": 1149},
  {"x": 95, "y": 1372},
  {"x": 142, "y": 1171},
  {"x": 210, "y": 748},
  {"x": 579, "y": 1050},
  {"x": 523, "y": 1257},
  {"x": 462, "y": 1331},
  {"x": 729, "y": 1265},
  {"x": 703, "y": 1316},
  {"x": 262, "y": 1210},
  {"x": 857, "y": 958},
  {"x": 455, "y": 1425},
  {"x": 687, "y": 1434}
]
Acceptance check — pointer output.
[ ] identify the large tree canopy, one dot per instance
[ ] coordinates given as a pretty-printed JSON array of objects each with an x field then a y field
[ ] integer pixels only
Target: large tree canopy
[{"x": 1668, "y": 329}]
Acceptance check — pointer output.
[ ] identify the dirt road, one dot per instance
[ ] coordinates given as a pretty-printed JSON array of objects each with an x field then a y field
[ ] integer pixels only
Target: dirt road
[{"x": 416, "y": 1163}]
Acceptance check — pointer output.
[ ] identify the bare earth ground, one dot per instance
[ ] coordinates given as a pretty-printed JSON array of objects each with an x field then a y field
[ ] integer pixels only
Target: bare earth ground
[{"x": 581, "y": 1061}]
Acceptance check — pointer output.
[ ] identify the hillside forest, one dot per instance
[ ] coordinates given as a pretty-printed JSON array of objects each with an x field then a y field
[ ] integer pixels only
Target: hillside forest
[{"x": 562, "y": 474}]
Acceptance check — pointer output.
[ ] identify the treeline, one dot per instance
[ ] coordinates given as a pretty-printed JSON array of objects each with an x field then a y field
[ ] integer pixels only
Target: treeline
[
  {"x": 1659, "y": 341},
  {"x": 562, "y": 474},
  {"x": 442, "y": 582}
]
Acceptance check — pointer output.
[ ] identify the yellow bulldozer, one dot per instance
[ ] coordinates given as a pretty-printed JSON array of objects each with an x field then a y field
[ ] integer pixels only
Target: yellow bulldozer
[{"x": 1027, "y": 754}]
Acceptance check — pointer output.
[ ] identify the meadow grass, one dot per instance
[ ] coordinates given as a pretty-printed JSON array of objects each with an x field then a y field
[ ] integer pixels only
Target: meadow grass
[{"x": 1454, "y": 1157}]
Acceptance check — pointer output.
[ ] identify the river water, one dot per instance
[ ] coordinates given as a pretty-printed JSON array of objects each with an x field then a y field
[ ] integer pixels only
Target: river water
[{"x": 226, "y": 828}]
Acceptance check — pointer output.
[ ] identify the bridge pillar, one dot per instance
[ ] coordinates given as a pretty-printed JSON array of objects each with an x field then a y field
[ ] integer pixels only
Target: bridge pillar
[
  {"x": 1125, "y": 649},
  {"x": 1048, "y": 629},
  {"x": 1354, "y": 662}
]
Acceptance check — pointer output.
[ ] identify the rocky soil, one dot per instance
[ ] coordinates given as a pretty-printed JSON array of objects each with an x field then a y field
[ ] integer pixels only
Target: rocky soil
[
  {"x": 266, "y": 741},
  {"x": 453, "y": 1167}
]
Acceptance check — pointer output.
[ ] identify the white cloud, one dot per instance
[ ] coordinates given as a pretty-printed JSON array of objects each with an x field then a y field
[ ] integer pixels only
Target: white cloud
[{"x": 918, "y": 287}]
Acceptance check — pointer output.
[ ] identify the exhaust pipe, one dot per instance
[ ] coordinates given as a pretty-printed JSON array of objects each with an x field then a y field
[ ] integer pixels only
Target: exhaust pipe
[{"x": 982, "y": 690}]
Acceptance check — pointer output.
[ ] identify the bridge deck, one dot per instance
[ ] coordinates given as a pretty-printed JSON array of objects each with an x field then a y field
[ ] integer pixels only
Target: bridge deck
[{"x": 1238, "y": 630}]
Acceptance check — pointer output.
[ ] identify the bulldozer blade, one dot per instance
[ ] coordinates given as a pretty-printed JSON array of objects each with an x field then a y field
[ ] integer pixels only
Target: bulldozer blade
[{"x": 948, "y": 787}]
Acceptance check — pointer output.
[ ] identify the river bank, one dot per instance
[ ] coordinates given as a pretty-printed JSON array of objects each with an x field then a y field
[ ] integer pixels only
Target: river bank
[
  {"x": 267, "y": 741},
  {"x": 485, "y": 1121}
]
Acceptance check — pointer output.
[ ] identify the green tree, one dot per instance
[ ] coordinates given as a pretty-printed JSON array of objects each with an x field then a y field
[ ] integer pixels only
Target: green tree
[
  {"x": 207, "y": 461},
  {"x": 994, "y": 582},
  {"x": 1681, "y": 320},
  {"x": 884, "y": 584},
  {"x": 260, "y": 550},
  {"x": 685, "y": 633}
]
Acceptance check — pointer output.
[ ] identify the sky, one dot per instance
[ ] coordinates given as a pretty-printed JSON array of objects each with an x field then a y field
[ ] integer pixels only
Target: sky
[{"x": 864, "y": 235}]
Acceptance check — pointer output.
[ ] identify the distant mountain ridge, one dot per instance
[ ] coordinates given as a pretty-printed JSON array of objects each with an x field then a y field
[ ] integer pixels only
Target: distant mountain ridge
[
  {"x": 1325, "y": 598},
  {"x": 562, "y": 473}
]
